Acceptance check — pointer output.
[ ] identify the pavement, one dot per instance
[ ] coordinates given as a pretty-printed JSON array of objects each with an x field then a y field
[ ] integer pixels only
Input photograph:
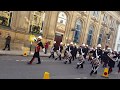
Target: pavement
[{"x": 20, "y": 53}]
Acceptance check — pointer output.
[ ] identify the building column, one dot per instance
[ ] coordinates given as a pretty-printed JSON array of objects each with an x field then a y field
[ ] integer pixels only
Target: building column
[
  {"x": 51, "y": 25},
  {"x": 86, "y": 29}
]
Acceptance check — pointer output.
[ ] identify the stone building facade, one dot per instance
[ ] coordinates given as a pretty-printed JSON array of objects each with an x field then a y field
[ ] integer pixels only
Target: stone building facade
[{"x": 89, "y": 27}]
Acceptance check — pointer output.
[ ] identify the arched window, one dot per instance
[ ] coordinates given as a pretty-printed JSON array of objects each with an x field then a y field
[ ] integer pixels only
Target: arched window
[
  {"x": 100, "y": 37},
  {"x": 90, "y": 34},
  {"x": 62, "y": 18},
  {"x": 78, "y": 28},
  {"x": 5, "y": 18},
  {"x": 37, "y": 22}
]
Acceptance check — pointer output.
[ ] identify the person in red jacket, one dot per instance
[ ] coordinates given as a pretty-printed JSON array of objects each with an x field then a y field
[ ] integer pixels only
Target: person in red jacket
[
  {"x": 37, "y": 50},
  {"x": 46, "y": 46}
]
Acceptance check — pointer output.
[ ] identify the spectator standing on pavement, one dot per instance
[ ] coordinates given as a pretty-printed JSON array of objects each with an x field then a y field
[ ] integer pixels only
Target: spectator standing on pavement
[
  {"x": 46, "y": 46},
  {"x": 7, "y": 43},
  {"x": 37, "y": 50}
]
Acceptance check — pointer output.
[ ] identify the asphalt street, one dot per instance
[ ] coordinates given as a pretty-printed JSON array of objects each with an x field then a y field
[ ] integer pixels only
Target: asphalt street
[{"x": 16, "y": 67}]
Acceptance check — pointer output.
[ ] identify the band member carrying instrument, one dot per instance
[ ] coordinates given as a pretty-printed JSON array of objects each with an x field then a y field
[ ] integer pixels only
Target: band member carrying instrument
[{"x": 81, "y": 59}]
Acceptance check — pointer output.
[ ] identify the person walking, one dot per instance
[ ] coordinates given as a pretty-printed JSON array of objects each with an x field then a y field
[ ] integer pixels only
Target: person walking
[
  {"x": 46, "y": 46},
  {"x": 7, "y": 43},
  {"x": 37, "y": 50}
]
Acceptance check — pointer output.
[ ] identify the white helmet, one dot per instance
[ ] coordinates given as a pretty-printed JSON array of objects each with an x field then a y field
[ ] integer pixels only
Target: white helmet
[
  {"x": 99, "y": 45},
  {"x": 67, "y": 44},
  {"x": 83, "y": 44},
  {"x": 71, "y": 43},
  {"x": 75, "y": 44},
  {"x": 54, "y": 42},
  {"x": 109, "y": 49},
  {"x": 40, "y": 37},
  {"x": 86, "y": 45},
  {"x": 61, "y": 43}
]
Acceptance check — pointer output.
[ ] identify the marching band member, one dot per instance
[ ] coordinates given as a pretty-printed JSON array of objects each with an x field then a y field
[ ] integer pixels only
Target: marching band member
[
  {"x": 118, "y": 62},
  {"x": 69, "y": 53},
  {"x": 80, "y": 58},
  {"x": 95, "y": 66},
  {"x": 52, "y": 52},
  {"x": 59, "y": 51},
  {"x": 111, "y": 62},
  {"x": 96, "y": 62},
  {"x": 53, "y": 49},
  {"x": 66, "y": 46},
  {"x": 37, "y": 50}
]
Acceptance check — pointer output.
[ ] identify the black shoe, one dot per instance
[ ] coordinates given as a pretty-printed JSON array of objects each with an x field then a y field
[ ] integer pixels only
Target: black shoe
[
  {"x": 38, "y": 63},
  {"x": 3, "y": 49},
  {"x": 90, "y": 74},
  {"x": 55, "y": 58},
  {"x": 95, "y": 73},
  {"x": 8, "y": 49},
  {"x": 65, "y": 62},
  {"x": 77, "y": 66},
  {"x": 29, "y": 63}
]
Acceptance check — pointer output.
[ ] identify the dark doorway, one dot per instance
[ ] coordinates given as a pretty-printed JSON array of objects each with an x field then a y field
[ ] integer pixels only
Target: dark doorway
[{"x": 58, "y": 38}]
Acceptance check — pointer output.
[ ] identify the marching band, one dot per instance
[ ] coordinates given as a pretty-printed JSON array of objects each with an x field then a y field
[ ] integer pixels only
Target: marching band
[{"x": 96, "y": 56}]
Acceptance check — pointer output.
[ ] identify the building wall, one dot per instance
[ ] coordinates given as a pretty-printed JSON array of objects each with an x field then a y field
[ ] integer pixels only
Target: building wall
[
  {"x": 20, "y": 27},
  {"x": 117, "y": 43}
]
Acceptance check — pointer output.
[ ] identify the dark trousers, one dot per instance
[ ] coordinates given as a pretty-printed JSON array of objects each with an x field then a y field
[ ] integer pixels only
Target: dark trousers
[
  {"x": 45, "y": 50},
  {"x": 93, "y": 70},
  {"x": 52, "y": 55},
  {"x": 118, "y": 69},
  {"x": 110, "y": 70},
  {"x": 58, "y": 57},
  {"x": 34, "y": 59},
  {"x": 7, "y": 46},
  {"x": 80, "y": 65},
  {"x": 73, "y": 57}
]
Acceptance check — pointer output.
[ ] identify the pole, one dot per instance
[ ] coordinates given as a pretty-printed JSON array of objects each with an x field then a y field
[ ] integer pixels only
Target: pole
[{"x": 30, "y": 47}]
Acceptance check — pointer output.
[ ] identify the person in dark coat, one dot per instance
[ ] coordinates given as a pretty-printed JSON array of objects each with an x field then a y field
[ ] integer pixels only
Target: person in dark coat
[
  {"x": 90, "y": 53},
  {"x": 86, "y": 51},
  {"x": 37, "y": 50},
  {"x": 70, "y": 50},
  {"x": 111, "y": 62},
  {"x": 59, "y": 51},
  {"x": 98, "y": 52},
  {"x": 46, "y": 47},
  {"x": 74, "y": 52},
  {"x": 7, "y": 43},
  {"x": 66, "y": 48}
]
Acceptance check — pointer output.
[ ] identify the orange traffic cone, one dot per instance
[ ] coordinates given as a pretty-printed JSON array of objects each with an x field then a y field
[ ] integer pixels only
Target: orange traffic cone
[
  {"x": 105, "y": 73},
  {"x": 25, "y": 54},
  {"x": 46, "y": 75}
]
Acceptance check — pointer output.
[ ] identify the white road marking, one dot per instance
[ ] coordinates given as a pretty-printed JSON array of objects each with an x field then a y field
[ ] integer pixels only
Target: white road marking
[
  {"x": 23, "y": 60},
  {"x": 17, "y": 60},
  {"x": 77, "y": 78},
  {"x": 84, "y": 77}
]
